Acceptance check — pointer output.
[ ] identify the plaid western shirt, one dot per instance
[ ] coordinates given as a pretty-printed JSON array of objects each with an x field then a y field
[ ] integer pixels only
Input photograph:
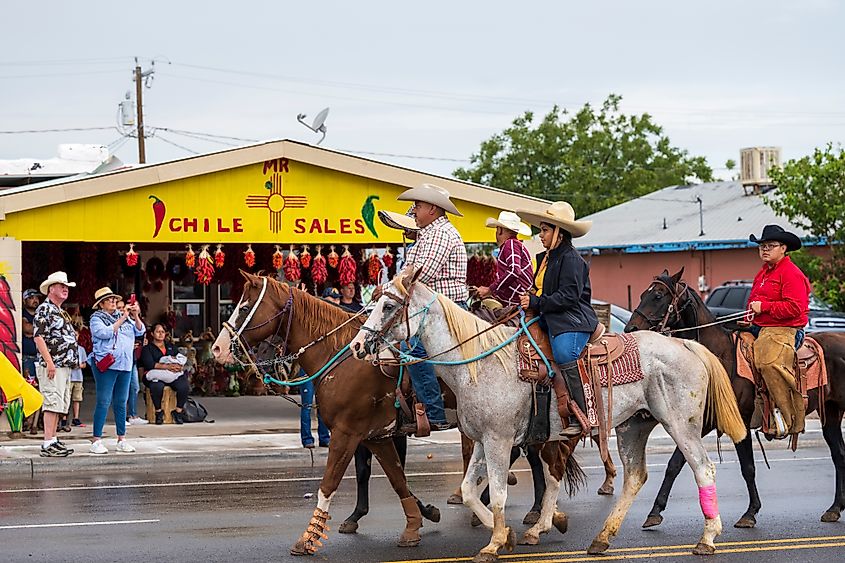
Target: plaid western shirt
[
  {"x": 442, "y": 256},
  {"x": 514, "y": 273}
]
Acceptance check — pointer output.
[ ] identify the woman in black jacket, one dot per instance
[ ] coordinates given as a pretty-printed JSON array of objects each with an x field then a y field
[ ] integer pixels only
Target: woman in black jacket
[
  {"x": 151, "y": 360},
  {"x": 563, "y": 295}
]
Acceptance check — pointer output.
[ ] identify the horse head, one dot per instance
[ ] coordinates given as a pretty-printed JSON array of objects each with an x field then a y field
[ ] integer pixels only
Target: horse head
[
  {"x": 396, "y": 316},
  {"x": 660, "y": 304},
  {"x": 256, "y": 317}
]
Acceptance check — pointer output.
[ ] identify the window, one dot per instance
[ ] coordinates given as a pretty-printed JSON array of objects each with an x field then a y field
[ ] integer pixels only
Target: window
[
  {"x": 715, "y": 299},
  {"x": 736, "y": 298},
  {"x": 225, "y": 306},
  {"x": 189, "y": 306}
]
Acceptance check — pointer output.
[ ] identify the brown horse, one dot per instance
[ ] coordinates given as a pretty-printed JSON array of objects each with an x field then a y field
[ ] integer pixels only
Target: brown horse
[
  {"x": 356, "y": 398},
  {"x": 668, "y": 303}
]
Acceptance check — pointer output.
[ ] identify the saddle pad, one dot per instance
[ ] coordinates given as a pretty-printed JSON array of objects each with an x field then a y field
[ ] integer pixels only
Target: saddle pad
[
  {"x": 817, "y": 372},
  {"x": 627, "y": 368}
]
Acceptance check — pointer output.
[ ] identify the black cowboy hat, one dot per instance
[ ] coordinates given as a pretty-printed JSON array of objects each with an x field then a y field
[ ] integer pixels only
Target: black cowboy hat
[{"x": 777, "y": 234}]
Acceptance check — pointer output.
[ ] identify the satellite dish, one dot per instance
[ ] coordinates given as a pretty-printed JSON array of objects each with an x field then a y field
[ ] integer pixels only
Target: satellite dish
[{"x": 319, "y": 124}]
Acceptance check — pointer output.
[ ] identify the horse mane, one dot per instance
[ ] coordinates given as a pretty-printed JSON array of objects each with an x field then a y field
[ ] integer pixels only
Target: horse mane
[
  {"x": 466, "y": 328},
  {"x": 316, "y": 316}
]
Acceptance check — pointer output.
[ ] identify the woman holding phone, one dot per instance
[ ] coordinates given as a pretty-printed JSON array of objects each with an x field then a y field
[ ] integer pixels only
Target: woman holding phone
[{"x": 113, "y": 334}]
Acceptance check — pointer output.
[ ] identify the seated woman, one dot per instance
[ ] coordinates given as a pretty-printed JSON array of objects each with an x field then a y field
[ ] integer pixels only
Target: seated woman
[{"x": 163, "y": 370}]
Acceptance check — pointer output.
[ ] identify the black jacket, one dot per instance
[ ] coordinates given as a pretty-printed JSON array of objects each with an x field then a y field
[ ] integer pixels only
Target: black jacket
[{"x": 565, "y": 301}]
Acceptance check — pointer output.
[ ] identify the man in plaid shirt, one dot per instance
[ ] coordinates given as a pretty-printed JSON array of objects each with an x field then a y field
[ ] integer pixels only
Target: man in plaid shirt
[
  {"x": 514, "y": 273},
  {"x": 441, "y": 255}
]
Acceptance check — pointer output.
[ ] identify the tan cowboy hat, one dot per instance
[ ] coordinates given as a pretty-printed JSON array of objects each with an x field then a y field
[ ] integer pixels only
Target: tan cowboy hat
[
  {"x": 559, "y": 213},
  {"x": 103, "y": 293},
  {"x": 510, "y": 221},
  {"x": 398, "y": 220},
  {"x": 435, "y": 195},
  {"x": 55, "y": 277}
]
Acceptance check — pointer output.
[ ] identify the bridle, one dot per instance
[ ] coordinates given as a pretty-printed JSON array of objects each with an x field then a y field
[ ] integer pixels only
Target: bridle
[
  {"x": 676, "y": 307},
  {"x": 401, "y": 312}
]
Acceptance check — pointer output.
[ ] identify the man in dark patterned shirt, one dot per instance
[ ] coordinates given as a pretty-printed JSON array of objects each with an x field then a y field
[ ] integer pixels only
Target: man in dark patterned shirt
[
  {"x": 514, "y": 273},
  {"x": 55, "y": 340}
]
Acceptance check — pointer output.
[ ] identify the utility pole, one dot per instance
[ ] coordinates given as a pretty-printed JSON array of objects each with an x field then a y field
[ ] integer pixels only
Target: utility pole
[{"x": 141, "y": 76}]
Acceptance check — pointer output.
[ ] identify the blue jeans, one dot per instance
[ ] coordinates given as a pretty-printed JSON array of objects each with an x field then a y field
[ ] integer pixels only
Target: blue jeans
[
  {"x": 132, "y": 401},
  {"x": 306, "y": 394},
  {"x": 28, "y": 366},
  {"x": 425, "y": 383},
  {"x": 112, "y": 389},
  {"x": 799, "y": 334},
  {"x": 567, "y": 346}
]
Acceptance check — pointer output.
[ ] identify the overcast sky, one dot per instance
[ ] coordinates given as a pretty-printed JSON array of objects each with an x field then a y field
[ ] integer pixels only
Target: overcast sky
[{"x": 430, "y": 79}]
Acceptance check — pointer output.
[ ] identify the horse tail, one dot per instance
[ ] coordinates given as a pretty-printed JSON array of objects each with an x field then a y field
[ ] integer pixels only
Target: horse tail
[{"x": 721, "y": 400}]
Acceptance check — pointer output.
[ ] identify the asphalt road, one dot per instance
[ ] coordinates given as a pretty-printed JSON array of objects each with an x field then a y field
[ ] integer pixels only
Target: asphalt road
[{"x": 257, "y": 514}]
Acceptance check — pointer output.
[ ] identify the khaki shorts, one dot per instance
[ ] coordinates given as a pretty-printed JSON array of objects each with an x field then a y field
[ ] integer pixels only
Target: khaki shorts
[
  {"x": 76, "y": 391},
  {"x": 56, "y": 391}
]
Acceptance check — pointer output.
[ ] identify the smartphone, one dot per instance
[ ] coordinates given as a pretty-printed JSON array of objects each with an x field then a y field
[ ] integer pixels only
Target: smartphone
[{"x": 132, "y": 299}]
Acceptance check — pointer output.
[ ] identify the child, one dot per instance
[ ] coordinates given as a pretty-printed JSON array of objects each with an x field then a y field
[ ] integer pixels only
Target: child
[{"x": 76, "y": 384}]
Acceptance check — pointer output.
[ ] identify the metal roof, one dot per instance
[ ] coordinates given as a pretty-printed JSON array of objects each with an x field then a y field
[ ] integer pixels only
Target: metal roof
[{"x": 668, "y": 220}]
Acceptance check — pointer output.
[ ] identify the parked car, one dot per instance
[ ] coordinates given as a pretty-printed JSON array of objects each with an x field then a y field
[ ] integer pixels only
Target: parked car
[
  {"x": 619, "y": 317},
  {"x": 732, "y": 297}
]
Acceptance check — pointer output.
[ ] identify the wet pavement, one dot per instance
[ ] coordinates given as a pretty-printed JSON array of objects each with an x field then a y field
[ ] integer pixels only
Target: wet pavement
[{"x": 256, "y": 514}]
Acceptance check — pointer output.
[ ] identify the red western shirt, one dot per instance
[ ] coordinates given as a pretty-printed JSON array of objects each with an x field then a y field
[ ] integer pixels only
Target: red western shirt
[{"x": 784, "y": 295}]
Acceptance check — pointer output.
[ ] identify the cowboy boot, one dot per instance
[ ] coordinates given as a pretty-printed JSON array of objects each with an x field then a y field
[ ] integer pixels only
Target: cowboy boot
[
  {"x": 572, "y": 378},
  {"x": 562, "y": 396}
]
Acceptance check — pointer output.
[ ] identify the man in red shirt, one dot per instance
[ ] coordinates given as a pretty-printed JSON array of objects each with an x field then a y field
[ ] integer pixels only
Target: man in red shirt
[{"x": 779, "y": 299}]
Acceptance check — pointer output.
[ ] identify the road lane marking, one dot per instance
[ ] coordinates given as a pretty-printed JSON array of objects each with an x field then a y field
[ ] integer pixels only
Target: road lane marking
[
  {"x": 663, "y": 551},
  {"x": 308, "y": 479},
  {"x": 75, "y": 524}
]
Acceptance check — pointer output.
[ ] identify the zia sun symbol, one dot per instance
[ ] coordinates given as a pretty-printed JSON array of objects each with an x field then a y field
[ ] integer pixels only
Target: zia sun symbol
[{"x": 275, "y": 202}]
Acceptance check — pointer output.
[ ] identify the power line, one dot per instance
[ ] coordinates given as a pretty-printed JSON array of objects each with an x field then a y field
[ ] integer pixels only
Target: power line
[
  {"x": 52, "y": 74},
  {"x": 177, "y": 145},
  {"x": 61, "y": 62},
  {"x": 26, "y": 131}
]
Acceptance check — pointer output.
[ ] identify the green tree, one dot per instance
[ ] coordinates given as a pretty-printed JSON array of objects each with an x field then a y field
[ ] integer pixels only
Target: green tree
[
  {"x": 811, "y": 194},
  {"x": 593, "y": 158},
  {"x": 730, "y": 164}
]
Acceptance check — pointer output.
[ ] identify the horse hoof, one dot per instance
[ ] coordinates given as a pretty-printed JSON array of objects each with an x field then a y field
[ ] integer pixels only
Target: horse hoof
[
  {"x": 455, "y": 499},
  {"x": 598, "y": 547},
  {"x": 348, "y": 527},
  {"x": 528, "y": 539},
  {"x": 511, "y": 478},
  {"x": 409, "y": 539},
  {"x": 704, "y": 549},
  {"x": 830, "y": 516},
  {"x": 531, "y": 518},
  {"x": 475, "y": 521},
  {"x": 606, "y": 490},
  {"x": 483, "y": 557},
  {"x": 299, "y": 549},
  {"x": 560, "y": 521},
  {"x": 431, "y": 513},
  {"x": 746, "y": 522},
  {"x": 653, "y": 520},
  {"x": 510, "y": 543}
]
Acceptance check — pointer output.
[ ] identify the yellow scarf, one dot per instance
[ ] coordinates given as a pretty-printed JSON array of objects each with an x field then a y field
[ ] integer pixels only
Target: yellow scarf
[{"x": 538, "y": 280}]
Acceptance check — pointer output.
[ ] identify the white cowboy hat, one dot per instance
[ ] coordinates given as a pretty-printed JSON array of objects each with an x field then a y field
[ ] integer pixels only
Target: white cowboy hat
[
  {"x": 103, "y": 293},
  {"x": 55, "y": 277},
  {"x": 429, "y": 193},
  {"x": 510, "y": 221},
  {"x": 398, "y": 220},
  {"x": 559, "y": 213}
]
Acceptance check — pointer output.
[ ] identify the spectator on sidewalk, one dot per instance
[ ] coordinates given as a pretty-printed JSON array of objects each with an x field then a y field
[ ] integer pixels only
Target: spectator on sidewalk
[
  {"x": 76, "y": 387},
  {"x": 29, "y": 353},
  {"x": 348, "y": 298},
  {"x": 306, "y": 395},
  {"x": 160, "y": 374},
  {"x": 332, "y": 295},
  {"x": 132, "y": 418},
  {"x": 55, "y": 340},
  {"x": 114, "y": 335}
]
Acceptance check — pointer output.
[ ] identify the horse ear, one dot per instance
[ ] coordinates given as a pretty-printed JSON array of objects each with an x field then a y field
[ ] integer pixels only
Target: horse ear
[
  {"x": 677, "y": 277},
  {"x": 664, "y": 274},
  {"x": 250, "y": 278},
  {"x": 416, "y": 274}
]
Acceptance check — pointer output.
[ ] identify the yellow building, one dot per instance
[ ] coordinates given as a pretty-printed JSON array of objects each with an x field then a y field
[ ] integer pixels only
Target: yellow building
[{"x": 279, "y": 192}]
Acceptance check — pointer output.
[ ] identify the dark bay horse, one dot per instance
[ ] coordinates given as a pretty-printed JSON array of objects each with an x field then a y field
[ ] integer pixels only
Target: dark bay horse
[
  {"x": 669, "y": 302},
  {"x": 356, "y": 398}
]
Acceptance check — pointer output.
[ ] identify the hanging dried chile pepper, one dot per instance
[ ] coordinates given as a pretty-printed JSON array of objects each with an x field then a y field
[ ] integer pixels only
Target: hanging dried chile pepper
[
  {"x": 347, "y": 268},
  {"x": 333, "y": 259},
  {"x": 291, "y": 266},
  {"x": 278, "y": 259},
  {"x": 319, "y": 273},
  {"x": 305, "y": 257},
  {"x": 387, "y": 258},
  {"x": 374, "y": 268},
  {"x": 249, "y": 256},
  {"x": 205, "y": 267},
  {"x": 190, "y": 257},
  {"x": 219, "y": 257},
  {"x": 131, "y": 256}
]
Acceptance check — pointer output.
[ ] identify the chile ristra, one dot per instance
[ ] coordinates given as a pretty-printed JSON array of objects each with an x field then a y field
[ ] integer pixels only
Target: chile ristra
[{"x": 159, "y": 212}]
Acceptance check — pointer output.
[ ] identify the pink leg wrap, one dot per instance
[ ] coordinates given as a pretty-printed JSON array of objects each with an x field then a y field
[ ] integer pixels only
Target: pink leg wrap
[{"x": 709, "y": 501}]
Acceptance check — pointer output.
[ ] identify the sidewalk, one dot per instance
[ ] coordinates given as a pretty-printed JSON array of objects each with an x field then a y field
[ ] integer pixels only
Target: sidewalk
[{"x": 254, "y": 431}]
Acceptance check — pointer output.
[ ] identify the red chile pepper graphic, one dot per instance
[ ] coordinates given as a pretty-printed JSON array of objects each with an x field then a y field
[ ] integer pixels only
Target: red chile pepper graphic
[{"x": 159, "y": 212}]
